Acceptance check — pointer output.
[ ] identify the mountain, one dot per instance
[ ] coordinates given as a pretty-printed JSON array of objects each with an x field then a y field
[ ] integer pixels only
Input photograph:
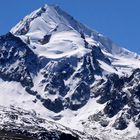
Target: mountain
[{"x": 62, "y": 80}]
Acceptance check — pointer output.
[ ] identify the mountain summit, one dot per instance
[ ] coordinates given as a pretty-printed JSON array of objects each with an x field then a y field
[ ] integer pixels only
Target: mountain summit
[
  {"x": 49, "y": 24},
  {"x": 59, "y": 79}
]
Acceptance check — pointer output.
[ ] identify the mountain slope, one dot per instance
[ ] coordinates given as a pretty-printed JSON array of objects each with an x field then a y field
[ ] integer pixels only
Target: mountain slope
[
  {"x": 44, "y": 23},
  {"x": 67, "y": 74}
]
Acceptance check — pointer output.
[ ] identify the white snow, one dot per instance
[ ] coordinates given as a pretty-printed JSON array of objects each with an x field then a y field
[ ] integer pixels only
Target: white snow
[
  {"x": 66, "y": 41},
  {"x": 62, "y": 44},
  {"x": 106, "y": 67}
]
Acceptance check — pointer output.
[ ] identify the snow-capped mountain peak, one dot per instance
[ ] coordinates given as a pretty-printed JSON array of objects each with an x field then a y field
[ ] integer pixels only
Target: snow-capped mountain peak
[
  {"x": 54, "y": 67},
  {"x": 46, "y": 20},
  {"x": 53, "y": 33}
]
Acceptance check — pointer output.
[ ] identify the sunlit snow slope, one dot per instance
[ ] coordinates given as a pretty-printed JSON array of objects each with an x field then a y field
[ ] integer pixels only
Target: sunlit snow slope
[
  {"x": 70, "y": 78},
  {"x": 64, "y": 31}
]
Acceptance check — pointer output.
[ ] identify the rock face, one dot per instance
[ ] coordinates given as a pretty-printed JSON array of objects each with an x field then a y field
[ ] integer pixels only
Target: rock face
[
  {"x": 117, "y": 99},
  {"x": 17, "y": 61},
  {"x": 54, "y": 68}
]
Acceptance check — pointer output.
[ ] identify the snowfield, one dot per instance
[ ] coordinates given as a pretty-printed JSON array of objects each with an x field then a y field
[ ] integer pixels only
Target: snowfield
[{"x": 74, "y": 78}]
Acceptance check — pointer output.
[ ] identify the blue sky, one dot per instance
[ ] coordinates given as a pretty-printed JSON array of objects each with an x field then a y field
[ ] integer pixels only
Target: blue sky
[{"x": 117, "y": 19}]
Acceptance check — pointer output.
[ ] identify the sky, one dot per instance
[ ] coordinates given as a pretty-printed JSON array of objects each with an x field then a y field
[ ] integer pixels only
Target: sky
[{"x": 117, "y": 19}]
